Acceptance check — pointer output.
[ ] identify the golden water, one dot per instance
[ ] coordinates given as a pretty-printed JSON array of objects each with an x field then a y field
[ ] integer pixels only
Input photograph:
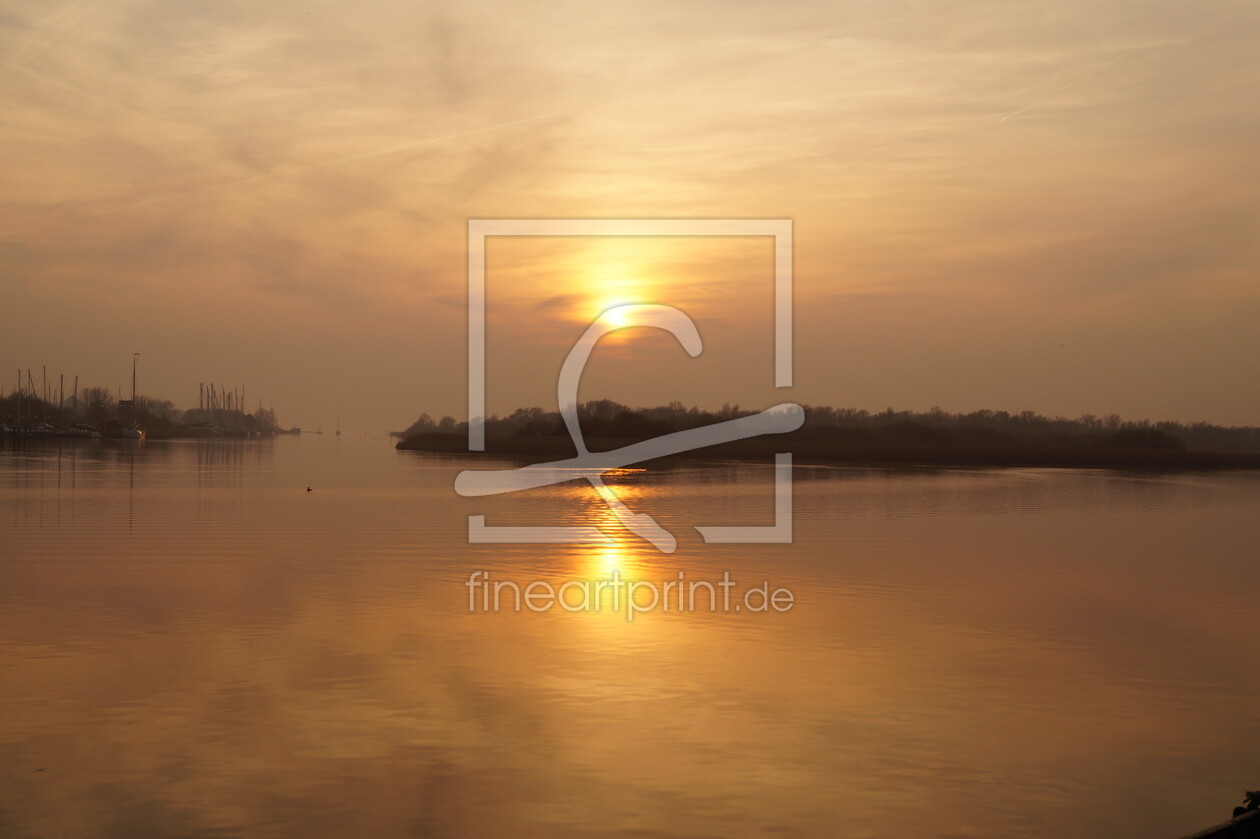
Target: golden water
[{"x": 191, "y": 644}]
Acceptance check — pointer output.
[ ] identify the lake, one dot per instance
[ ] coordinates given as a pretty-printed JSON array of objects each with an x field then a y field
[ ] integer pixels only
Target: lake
[{"x": 191, "y": 644}]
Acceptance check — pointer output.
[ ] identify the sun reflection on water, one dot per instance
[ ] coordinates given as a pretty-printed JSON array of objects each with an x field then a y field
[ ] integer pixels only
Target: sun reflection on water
[{"x": 626, "y": 558}]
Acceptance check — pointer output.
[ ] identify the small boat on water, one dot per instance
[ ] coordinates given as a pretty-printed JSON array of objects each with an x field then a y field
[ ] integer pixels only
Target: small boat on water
[{"x": 134, "y": 432}]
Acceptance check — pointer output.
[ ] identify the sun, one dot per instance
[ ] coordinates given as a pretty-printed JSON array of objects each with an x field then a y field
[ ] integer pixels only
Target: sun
[
  {"x": 618, "y": 319},
  {"x": 615, "y": 271}
]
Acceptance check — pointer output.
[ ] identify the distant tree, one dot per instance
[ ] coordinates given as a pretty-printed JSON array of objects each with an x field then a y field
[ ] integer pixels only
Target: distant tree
[
  {"x": 100, "y": 404},
  {"x": 422, "y": 424}
]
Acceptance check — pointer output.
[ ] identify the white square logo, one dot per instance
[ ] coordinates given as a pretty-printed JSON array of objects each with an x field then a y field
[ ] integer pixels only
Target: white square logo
[{"x": 587, "y": 465}]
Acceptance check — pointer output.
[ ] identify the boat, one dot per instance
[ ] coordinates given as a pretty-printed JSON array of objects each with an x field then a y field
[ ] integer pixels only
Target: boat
[{"x": 134, "y": 432}]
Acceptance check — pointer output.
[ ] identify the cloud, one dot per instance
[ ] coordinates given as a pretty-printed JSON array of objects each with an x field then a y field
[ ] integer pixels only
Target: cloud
[{"x": 327, "y": 158}]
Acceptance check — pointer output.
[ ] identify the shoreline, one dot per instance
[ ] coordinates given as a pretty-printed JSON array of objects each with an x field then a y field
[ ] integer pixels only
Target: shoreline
[
  {"x": 815, "y": 452},
  {"x": 159, "y": 434}
]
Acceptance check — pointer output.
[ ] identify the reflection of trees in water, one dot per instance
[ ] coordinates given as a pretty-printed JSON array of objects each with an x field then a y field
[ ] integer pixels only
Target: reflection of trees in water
[
  {"x": 222, "y": 462},
  {"x": 70, "y": 461},
  {"x": 216, "y": 453},
  {"x": 100, "y": 462}
]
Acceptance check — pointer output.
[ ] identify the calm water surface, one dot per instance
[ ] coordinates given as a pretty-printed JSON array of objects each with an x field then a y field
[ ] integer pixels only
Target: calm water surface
[{"x": 193, "y": 645}]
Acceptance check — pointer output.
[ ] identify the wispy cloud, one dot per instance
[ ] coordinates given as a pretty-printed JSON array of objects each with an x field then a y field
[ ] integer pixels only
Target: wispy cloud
[
  {"x": 312, "y": 167},
  {"x": 45, "y": 32},
  {"x": 294, "y": 165}
]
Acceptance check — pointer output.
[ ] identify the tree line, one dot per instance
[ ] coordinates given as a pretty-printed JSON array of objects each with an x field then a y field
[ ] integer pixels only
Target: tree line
[
  {"x": 98, "y": 408},
  {"x": 606, "y": 418}
]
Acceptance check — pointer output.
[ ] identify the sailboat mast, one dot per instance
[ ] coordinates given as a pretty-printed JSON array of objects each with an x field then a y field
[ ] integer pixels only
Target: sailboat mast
[{"x": 134, "y": 358}]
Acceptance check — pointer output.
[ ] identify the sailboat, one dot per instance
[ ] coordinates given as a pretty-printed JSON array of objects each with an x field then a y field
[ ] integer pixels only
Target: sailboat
[{"x": 134, "y": 432}]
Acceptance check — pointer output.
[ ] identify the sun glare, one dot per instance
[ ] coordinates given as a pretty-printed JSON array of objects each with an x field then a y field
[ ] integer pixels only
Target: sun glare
[
  {"x": 615, "y": 271},
  {"x": 618, "y": 319}
]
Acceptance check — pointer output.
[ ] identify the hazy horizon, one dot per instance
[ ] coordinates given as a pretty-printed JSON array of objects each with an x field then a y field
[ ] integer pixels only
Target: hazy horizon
[{"x": 995, "y": 205}]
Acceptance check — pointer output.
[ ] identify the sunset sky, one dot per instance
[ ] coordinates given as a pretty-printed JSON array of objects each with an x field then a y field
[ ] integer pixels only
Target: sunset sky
[{"x": 1052, "y": 207}]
